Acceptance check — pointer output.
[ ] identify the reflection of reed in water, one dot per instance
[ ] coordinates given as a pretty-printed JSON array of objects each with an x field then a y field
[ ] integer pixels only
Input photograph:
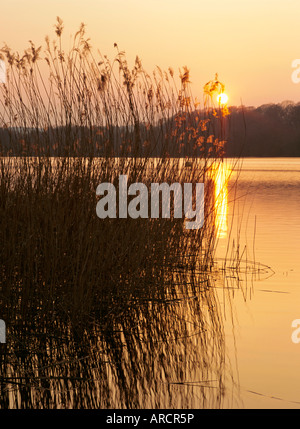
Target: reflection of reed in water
[{"x": 163, "y": 348}]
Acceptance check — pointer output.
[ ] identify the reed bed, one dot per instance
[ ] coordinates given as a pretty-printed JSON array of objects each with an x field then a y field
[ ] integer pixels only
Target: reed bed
[{"x": 102, "y": 312}]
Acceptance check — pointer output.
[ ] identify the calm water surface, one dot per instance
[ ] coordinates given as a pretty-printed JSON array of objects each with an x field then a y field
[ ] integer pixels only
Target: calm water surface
[
  {"x": 207, "y": 341},
  {"x": 267, "y": 210}
]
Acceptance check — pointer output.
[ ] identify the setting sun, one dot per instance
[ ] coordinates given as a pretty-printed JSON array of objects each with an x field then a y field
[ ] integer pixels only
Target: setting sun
[
  {"x": 222, "y": 98},
  {"x": 149, "y": 208}
]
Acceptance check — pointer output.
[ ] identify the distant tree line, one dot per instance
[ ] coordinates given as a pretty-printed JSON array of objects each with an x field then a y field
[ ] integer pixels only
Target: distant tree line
[{"x": 271, "y": 130}]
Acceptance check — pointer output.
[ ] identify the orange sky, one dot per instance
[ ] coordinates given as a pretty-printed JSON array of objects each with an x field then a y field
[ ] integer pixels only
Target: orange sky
[{"x": 251, "y": 44}]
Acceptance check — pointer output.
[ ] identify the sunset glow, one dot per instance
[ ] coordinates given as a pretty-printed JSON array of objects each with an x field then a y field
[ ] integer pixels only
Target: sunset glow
[
  {"x": 222, "y": 98},
  {"x": 254, "y": 65},
  {"x": 149, "y": 206}
]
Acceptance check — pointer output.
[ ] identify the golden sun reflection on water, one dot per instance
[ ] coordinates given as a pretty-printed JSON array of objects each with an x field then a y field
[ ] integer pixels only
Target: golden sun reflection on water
[{"x": 220, "y": 175}]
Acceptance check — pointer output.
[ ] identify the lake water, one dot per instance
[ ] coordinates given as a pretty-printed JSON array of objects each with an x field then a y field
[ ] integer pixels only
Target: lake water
[
  {"x": 258, "y": 341},
  {"x": 200, "y": 339}
]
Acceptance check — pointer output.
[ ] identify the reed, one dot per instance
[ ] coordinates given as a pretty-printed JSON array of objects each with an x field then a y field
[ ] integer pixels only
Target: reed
[{"x": 69, "y": 122}]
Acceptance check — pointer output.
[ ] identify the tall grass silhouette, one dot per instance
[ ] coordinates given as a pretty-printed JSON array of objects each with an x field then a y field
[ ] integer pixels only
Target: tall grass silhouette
[{"x": 102, "y": 313}]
